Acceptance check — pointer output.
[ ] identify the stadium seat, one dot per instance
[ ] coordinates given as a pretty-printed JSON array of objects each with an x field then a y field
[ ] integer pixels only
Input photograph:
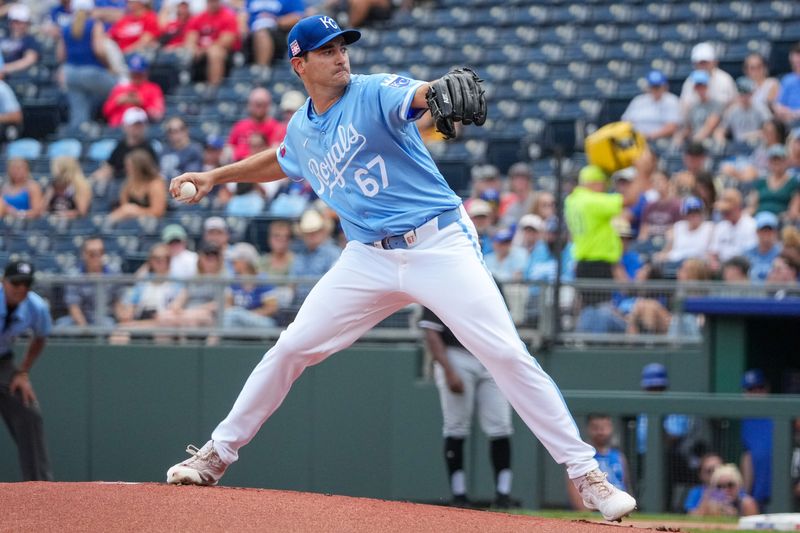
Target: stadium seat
[
  {"x": 24, "y": 149},
  {"x": 65, "y": 147},
  {"x": 100, "y": 150}
]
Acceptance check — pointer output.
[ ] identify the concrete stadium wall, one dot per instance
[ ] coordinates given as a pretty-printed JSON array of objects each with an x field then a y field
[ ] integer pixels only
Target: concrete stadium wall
[{"x": 361, "y": 423}]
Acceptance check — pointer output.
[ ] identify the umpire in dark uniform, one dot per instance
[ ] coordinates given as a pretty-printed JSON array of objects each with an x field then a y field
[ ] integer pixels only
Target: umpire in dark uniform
[{"x": 22, "y": 311}]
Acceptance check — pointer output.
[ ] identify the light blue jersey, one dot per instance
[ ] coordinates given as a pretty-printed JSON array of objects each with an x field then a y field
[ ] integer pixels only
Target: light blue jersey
[{"x": 365, "y": 158}]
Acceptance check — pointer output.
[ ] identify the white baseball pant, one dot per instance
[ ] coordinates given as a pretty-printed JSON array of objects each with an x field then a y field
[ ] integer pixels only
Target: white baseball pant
[
  {"x": 480, "y": 392},
  {"x": 445, "y": 273}
]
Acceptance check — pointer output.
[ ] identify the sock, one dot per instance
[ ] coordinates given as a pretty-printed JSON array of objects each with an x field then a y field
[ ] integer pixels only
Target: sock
[
  {"x": 500, "y": 450},
  {"x": 454, "y": 458}
]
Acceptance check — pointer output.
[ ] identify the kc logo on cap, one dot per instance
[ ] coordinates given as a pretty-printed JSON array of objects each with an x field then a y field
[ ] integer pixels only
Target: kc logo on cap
[
  {"x": 314, "y": 32},
  {"x": 329, "y": 23}
]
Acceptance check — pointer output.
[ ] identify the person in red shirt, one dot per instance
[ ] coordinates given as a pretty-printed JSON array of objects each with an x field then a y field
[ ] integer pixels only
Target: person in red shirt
[
  {"x": 138, "y": 92},
  {"x": 212, "y": 36},
  {"x": 259, "y": 121},
  {"x": 174, "y": 19},
  {"x": 137, "y": 30}
]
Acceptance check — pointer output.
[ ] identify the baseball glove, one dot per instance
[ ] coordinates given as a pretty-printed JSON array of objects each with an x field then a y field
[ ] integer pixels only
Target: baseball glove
[{"x": 457, "y": 97}]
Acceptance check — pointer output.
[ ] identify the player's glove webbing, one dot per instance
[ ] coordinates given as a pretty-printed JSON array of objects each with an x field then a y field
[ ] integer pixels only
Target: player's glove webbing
[{"x": 457, "y": 97}]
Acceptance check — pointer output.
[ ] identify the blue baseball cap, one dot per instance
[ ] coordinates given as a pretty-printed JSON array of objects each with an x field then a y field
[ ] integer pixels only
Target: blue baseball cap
[
  {"x": 765, "y": 219},
  {"x": 504, "y": 235},
  {"x": 753, "y": 378},
  {"x": 656, "y": 78},
  {"x": 314, "y": 32},
  {"x": 654, "y": 375},
  {"x": 137, "y": 63},
  {"x": 215, "y": 142},
  {"x": 690, "y": 204},
  {"x": 700, "y": 77}
]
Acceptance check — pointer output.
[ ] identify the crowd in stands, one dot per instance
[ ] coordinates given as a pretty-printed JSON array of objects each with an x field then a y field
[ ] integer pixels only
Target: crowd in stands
[{"x": 730, "y": 210}]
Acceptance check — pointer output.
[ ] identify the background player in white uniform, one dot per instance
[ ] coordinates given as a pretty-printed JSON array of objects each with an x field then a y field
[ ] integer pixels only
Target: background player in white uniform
[
  {"x": 464, "y": 384},
  {"x": 409, "y": 240}
]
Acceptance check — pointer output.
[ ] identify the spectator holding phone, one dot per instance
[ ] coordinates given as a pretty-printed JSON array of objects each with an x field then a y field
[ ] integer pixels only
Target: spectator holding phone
[{"x": 726, "y": 496}]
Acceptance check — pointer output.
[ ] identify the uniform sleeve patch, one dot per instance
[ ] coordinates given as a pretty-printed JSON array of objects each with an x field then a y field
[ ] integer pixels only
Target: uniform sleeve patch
[{"x": 396, "y": 81}]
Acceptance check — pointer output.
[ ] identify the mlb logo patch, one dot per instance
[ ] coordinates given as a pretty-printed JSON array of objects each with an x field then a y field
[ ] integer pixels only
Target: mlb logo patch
[
  {"x": 396, "y": 81},
  {"x": 294, "y": 46}
]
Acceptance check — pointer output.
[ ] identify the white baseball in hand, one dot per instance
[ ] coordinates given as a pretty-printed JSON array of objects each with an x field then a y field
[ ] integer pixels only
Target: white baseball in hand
[{"x": 188, "y": 190}]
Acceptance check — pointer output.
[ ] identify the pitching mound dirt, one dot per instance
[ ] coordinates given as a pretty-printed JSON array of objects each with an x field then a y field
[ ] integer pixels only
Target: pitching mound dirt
[{"x": 151, "y": 507}]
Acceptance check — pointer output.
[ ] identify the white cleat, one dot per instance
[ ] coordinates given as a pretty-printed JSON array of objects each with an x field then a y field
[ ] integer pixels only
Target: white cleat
[
  {"x": 204, "y": 467},
  {"x": 600, "y": 495}
]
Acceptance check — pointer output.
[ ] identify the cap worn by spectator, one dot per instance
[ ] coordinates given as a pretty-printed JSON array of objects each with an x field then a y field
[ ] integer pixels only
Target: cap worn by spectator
[
  {"x": 173, "y": 232},
  {"x": 291, "y": 101},
  {"x": 214, "y": 142},
  {"x": 656, "y": 78},
  {"x": 215, "y": 223},
  {"x": 244, "y": 251},
  {"x": 776, "y": 151},
  {"x": 478, "y": 207},
  {"x": 137, "y": 63},
  {"x": 745, "y": 85},
  {"x": 766, "y": 220},
  {"x": 503, "y": 235},
  {"x": 703, "y": 52},
  {"x": 311, "y": 221},
  {"x": 626, "y": 174},
  {"x": 134, "y": 115},
  {"x": 313, "y": 32},
  {"x": 491, "y": 195},
  {"x": 654, "y": 376},
  {"x": 520, "y": 169},
  {"x": 82, "y": 5},
  {"x": 19, "y": 272},
  {"x": 591, "y": 174},
  {"x": 691, "y": 204},
  {"x": 696, "y": 148},
  {"x": 484, "y": 172},
  {"x": 753, "y": 379},
  {"x": 19, "y": 12},
  {"x": 700, "y": 77},
  {"x": 531, "y": 221}
]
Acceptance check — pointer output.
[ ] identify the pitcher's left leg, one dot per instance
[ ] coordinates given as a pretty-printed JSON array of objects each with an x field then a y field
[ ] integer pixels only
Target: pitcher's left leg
[{"x": 447, "y": 275}]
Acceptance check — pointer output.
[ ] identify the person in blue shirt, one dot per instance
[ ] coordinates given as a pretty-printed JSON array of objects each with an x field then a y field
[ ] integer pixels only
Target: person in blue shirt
[
  {"x": 768, "y": 248},
  {"x": 250, "y": 304},
  {"x": 19, "y": 48},
  {"x": 23, "y": 311},
  {"x": 756, "y": 461},
  {"x": 318, "y": 253},
  {"x": 409, "y": 240},
  {"x": 507, "y": 261},
  {"x": 708, "y": 463},
  {"x": 269, "y": 22},
  {"x": 81, "y": 48},
  {"x": 787, "y": 106},
  {"x": 613, "y": 463}
]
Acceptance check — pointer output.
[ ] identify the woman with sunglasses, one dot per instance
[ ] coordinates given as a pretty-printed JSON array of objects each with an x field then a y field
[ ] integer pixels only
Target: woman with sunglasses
[{"x": 725, "y": 496}]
